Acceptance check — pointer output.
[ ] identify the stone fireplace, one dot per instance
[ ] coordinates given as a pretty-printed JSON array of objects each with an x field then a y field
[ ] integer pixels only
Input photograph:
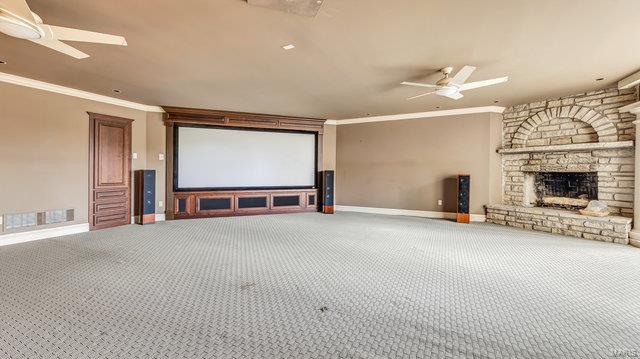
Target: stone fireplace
[
  {"x": 569, "y": 190},
  {"x": 559, "y": 154}
]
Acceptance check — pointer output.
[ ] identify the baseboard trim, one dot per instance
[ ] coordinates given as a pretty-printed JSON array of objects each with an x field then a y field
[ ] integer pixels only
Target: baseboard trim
[
  {"x": 21, "y": 237},
  {"x": 408, "y": 212}
]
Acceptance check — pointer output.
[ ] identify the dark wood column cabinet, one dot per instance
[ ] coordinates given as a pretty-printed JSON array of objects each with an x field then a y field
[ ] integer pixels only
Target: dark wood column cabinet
[{"x": 183, "y": 204}]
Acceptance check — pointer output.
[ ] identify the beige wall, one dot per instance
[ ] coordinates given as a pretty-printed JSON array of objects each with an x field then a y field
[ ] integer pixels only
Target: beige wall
[
  {"x": 329, "y": 147},
  {"x": 156, "y": 145},
  {"x": 407, "y": 164},
  {"x": 411, "y": 164},
  {"x": 44, "y": 147},
  {"x": 495, "y": 159}
]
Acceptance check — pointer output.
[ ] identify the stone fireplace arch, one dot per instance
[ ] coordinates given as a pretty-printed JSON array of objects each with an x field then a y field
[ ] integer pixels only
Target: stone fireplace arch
[{"x": 603, "y": 126}]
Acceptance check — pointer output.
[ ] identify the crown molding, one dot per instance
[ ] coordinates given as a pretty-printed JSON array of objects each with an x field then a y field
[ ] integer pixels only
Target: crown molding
[
  {"x": 409, "y": 116},
  {"x": 40, "y": 85}
]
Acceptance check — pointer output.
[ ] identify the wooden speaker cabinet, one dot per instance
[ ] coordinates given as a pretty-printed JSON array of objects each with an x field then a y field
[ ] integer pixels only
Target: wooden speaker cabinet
[
  {"x": 464, "y": 186},
  {"x": 144, "y": 206}
]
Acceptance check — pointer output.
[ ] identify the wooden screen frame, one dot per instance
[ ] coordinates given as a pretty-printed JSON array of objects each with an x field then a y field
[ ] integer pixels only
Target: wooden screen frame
[{"x": 179, "y": 116}]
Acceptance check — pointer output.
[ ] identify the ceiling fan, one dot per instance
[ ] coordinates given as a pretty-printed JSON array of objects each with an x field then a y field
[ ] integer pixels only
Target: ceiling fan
[
  {"x": 17, "y": 20},
  {"x": 451, "y": 87}
]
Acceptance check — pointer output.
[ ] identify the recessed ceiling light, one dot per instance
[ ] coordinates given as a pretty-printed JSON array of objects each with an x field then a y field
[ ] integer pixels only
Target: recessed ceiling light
[
  {"x": 116, "y": 91},
  {"x": 289, "y": 47},
  {"x": 600, "y": 79}
]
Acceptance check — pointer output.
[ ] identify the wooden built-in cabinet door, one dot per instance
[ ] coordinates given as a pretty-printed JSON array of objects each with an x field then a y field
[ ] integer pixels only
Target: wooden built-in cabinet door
[{"x": 109, "y": 171}]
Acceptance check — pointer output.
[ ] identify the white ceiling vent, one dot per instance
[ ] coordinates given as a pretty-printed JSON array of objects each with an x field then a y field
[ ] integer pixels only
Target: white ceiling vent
[{"x": 300, "y": 7}]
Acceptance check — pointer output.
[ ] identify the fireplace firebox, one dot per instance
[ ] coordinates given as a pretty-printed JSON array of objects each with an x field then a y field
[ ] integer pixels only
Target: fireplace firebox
[{"x": 570, "y": 190}]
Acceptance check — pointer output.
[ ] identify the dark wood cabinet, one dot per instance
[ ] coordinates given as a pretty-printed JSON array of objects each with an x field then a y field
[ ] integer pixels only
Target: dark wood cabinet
[{"x": 240, "y": 203}]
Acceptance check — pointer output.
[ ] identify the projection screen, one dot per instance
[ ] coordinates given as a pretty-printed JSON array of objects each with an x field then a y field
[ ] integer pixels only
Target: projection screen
[{"x": 216, "y": 158}]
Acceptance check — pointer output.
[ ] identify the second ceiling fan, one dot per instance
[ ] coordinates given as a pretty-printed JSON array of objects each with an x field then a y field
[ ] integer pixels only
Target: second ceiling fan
[{"x": 452, "y": 87}]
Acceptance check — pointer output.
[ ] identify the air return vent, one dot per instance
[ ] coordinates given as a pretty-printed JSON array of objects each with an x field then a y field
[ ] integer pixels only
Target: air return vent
[
  {"x": 300, "y": 7},
  {"x": 15, "y": 221}
]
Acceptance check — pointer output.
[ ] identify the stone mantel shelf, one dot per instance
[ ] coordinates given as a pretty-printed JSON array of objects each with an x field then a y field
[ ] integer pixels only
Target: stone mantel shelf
[{"x": 568, "y": 148}]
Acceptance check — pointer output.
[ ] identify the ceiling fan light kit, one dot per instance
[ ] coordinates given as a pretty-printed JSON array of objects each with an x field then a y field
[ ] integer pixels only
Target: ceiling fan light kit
[
  {"x": 17, "y": 20},
  {"x": 452, "y": 87}
]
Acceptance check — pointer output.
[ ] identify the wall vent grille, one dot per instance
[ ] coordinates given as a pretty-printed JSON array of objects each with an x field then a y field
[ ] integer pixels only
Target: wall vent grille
[{"x": 16, "y": 221}]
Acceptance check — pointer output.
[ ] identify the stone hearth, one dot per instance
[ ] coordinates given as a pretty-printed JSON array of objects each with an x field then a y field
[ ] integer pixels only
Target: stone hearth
[
  {"x": 584, "y": 140},
  {"x": 609, "y": 229}
]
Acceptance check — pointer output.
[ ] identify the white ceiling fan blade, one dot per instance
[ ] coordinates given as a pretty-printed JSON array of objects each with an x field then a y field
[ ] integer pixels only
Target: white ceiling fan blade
[
  {"x": 18, "y": 8},
  {"x": 474, "y": 85},
  {"x": 455, "y": 96},
  {"x": 417, "y": 84},
  {"x": 424, "y": 94},
  {"x": 68, "y": 34},
  {"x": 462, "y": 75},
  {"x": 60, "y": 47}
]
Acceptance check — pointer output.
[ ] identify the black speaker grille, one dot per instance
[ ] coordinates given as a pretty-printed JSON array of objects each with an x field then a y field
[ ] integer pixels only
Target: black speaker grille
[
  {"x": 252, "y": 202},
  {"x": 463, "y": 194},
  {"x": 211, "y": 204},
  {"x": 285, "y": 201},
  {"x": 327, "y": 188}
]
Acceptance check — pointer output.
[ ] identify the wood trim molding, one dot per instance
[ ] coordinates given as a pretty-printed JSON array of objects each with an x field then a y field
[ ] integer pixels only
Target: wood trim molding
[
  {"x": 410, "y": 116},
  {"x": 45, "y": 86},
  {"x": 183, "y": 115}
]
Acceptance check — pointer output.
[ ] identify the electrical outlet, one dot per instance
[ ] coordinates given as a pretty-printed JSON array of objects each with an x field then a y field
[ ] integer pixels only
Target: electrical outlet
[
  {"x": 439, "y": 202},
  {"x": 161, "y": 157},
  {"x": 160, "y": 203},
  {"x": 135, "y": 156}
]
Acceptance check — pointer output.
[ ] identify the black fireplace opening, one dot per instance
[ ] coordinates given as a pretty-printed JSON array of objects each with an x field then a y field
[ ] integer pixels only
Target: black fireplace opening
[{"x": 570, "y": 190}]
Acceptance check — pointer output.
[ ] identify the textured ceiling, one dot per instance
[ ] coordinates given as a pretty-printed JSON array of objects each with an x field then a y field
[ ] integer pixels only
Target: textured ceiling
[{"x": 349, "y": 59}]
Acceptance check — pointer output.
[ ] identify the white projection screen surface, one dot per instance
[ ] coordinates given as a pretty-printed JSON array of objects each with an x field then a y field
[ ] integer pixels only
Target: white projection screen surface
[{"x": 213, "y": 158}]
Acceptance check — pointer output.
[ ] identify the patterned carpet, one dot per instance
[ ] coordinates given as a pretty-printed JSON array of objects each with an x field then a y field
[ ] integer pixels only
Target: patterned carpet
[{"x": 318, "y": 286}]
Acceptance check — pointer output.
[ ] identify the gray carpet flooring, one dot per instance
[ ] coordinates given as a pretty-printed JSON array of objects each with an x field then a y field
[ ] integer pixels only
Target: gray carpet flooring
[{"x": 318, "y": 286}]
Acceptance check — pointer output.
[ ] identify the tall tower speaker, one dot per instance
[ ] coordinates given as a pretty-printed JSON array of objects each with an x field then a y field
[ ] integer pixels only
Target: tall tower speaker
[
  {"x": 464, "y": 184},
  {"x": 327, "y": 191},
  {"x": 144, "y": 204}
]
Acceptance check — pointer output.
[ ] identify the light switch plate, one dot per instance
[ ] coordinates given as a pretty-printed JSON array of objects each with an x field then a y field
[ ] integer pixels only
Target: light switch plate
[
  {"x": 160, "y": 203},
  {"x": 439, "y": 202},
  {"x": 161, "y": 157},
  {"x": 135, "y": 156}
]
